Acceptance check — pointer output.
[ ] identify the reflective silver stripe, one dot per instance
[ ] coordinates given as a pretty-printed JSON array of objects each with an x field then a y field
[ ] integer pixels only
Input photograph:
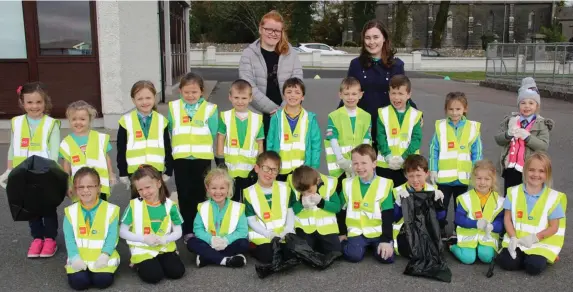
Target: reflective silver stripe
[
  {"x": 254, "y": 200},
  {"x": 235, "y": 213},
  {"x": 17, "y": 132},
  {"x": 287, "y": 146}
]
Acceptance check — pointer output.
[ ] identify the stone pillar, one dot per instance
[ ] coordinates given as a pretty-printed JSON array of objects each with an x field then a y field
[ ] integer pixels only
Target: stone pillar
[
  {"x": 409, "y": 29},
  {"x": 211, "y": 55},
  {"x": 530, "y": 26},
  {"x": 430, "y": 24},
  {"x": 511, "y": 30},
  {"x": 449, "y": 42},
  {"x": 471, "y": 35},
  {"x": 390, "y": 18}
]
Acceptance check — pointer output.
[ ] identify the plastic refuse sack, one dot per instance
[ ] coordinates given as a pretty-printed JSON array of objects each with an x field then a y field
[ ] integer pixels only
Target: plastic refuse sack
[
  {"x": 282, "y": 260},
  {"x": 304, "y": 252},
  {"x": 423, "y": 235},
  {"x": 36, "y": 187}
]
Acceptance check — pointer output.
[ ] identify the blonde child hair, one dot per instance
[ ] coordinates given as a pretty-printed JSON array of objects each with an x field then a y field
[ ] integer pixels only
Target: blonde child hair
[
  {"x": 545, "y": 160},
  {"x": 221, "y": 173},
  {"x": 485, "y": 164},
  {"x": 81, "y": 105}
]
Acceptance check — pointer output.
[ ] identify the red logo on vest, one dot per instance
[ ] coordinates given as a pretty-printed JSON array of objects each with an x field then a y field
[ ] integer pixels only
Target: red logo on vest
[
  {"x": 185, "y": 119},
  {"x": 519, "y": 214},
  {"x": 213, "y": 233},
  {"x": 394, "y": 131},
  {"x": 146, "y": 230},
  {"x": 83, "y": 230},
  {"x": 75, "y": 158},
  {"x": 138, "y": 134},
  {"x": 478, "y": 215},
  {"x": 267, "y": 215},
  {"x": 451, "y": 145},
  {"x": 286, "y": 137},
  {"x": 356, "y": 205},
  {"x": 25, "y": 142},
  {"x": 233, "y": 142}
]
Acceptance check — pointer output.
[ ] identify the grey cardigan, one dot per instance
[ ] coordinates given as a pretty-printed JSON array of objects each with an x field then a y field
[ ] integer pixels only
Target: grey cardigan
[{"x": 253, "y": 69}]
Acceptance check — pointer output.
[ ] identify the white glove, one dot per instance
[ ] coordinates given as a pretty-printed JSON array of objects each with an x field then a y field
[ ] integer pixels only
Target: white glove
[
  {"x": 512, "y": 246},
  {"x": 528, "y": 241},
  {"x": 512, "y": 126},
  {"x": 402, "y": 194},
  {"x": 4, "y": 178},
  {"x": 307, "y": 202},
  {"x": 78, "y": 264},
  {"x": 345, "y": 164},
  {"x": 112, "y": 179},
  {"x": 434, "y": 177},
  {"x": 125, "y": 180},
  {"x": 482, "y": 224},
  {"x": 350, "y": 173},
  {"x": 151, "y": 239},
  {"x": 385, "y": 250},
  {"x": 395, "y": 162},
  {"x": 521, "y": 134},
  {"x": 101, "y": 261},
  {"x": 488, "y": 230},
  {"x": 165, "y": 178},
  {"x": 283, "y": 234},
  {"x": 438, "y": 195},
  {"x": 271, "y": 235},
  {"x": 218, "y": 243},
  {"x": 315, "y": 199}
]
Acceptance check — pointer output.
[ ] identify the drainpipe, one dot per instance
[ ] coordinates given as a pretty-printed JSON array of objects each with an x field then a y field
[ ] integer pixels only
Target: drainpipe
[{"x": 161, "y": 61}]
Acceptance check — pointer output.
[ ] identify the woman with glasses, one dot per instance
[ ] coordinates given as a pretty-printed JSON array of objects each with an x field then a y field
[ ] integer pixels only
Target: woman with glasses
[{"x": 267, "y": 63}]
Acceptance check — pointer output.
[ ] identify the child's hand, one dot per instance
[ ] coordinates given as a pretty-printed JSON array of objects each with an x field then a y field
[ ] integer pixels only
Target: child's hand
[
  {"x": 125, "y": 180},
  {"x": 112, "y": 179},
  {"x": 4, "y": 178},
  {"x": 433, "y": 177},
  {"x": 78, "y": 264},
  {"x": 151, "y": 239}
]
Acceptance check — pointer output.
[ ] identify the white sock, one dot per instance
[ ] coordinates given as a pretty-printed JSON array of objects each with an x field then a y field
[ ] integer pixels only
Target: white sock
[{"x": 224, "y": 261}]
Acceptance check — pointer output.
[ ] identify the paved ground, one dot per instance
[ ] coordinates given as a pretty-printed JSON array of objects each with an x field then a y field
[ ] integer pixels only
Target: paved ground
[{"x": 486, "y": 105}]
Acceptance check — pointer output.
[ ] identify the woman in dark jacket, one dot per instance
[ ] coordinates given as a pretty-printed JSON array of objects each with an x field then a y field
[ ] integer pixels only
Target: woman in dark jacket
[{"x": 374, "y": 68}]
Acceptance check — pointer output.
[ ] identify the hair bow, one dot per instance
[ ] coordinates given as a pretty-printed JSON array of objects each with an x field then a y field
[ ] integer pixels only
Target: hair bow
[{"x": 19, "y": 90}]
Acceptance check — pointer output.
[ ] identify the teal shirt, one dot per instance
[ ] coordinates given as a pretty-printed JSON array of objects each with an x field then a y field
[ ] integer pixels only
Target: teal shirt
[
  {"x": 191, "y": 109},
  {"x": 387, "y": 204},
  {"x": 415, "y": 139},
  {"x": 241, "y": 231},
  {"x": 313, "y": 139},
  {"x": 53, "y": 140},
  {"x": 111, "y": 238},
  {"x": 144, "y": 122}
]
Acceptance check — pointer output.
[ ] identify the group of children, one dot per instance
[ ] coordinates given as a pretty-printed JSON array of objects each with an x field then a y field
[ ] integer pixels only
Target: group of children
[{"x": 267, "y": 189}]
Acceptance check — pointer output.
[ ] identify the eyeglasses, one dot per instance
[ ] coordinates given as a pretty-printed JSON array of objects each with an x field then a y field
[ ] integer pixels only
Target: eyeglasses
[
  {"x": 270, "y": 170},
  {"x": 271, "y": 31},
  {"x": 89, "y": 188}
]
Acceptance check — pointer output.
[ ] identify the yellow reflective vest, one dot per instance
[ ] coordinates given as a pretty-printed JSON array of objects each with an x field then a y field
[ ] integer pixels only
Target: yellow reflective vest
[
  {"x": 470, "y": 237},
  {"x": 241, "y": 160},
  {"x": 292, "y": 144},
  {"x": 398, "y": 137},
  {"x": 24, "y": 145},
  {"x": 191, "y": 137},
  {"x": 230, "y": 218},
  {"x": 273, "y": 218},
  {"x": 455, "y": 161}
]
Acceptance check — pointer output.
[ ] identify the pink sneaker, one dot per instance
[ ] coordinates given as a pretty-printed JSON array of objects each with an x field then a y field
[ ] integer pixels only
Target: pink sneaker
[
  {"x": 35, "y": 248},
  {"x": 49, "y": 249}
]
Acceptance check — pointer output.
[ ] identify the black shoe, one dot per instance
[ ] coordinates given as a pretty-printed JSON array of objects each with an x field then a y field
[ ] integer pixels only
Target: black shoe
[{"x": 236, "y": 261}]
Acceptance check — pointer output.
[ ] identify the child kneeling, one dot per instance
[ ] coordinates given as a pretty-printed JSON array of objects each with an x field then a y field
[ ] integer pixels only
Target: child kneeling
[{"x": 220, "y": 225}]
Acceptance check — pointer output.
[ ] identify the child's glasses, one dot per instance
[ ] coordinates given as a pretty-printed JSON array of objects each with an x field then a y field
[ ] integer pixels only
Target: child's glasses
[{"x": 270, "y": 170}]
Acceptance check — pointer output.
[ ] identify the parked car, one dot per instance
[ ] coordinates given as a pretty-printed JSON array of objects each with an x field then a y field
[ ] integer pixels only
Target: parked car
[
  {"x": 427, "y": 52},
  {"x": 323, "y": 48},
  {"x": 298, "y": 49}
]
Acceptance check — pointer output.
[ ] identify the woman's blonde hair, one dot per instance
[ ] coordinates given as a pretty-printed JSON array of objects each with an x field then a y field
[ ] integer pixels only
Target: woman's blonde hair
[
  {"x": 485, "y": 164},
  {"x": 545, "y": 160},
  {"x": 219, "y": 173},
  {"x": 282, "y": 46},
  {"x": 81, "y": 105}
]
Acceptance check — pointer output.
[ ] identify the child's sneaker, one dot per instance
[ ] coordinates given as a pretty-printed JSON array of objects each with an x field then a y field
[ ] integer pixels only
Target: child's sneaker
[
  {"x": 199, "y": 263},
  {"x": 49, "y": 249},
  {"x": 236, "y": 261},
  {"x": 35, "y": 248}
]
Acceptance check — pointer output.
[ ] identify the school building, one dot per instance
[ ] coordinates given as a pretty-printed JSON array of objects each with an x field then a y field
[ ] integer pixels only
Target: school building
[{"x": 91, "y": 50}]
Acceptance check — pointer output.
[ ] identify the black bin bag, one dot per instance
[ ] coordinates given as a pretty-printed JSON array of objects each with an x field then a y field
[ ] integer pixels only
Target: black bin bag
[
  {"x": 36, "y": 187},
  {"x": 282, "y": 260},
  {"x": 298, "y": 247},
  {"x": 423, "y": 235}
]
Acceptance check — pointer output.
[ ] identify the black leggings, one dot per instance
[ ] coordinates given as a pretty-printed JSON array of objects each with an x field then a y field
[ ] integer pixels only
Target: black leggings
[
  {"x": 189, "y": 176},
  {"x": 165, "y": 265},
  {"x": 532, "y": 264}
]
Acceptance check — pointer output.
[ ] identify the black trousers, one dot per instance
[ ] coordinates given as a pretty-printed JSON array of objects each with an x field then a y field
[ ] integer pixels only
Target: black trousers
[
  {"x": 189, "y": 180},
  {"x": 397, "y": 176},
  {"x": 341, "y": 216},
  {"x": 511, "y": 178},
  {"x": 266, "y": 124},
  {"x": 240, "y": 185},
  {"x": 324, "y": 244},
  {"x": 532, "y": 264},
  {"x": 165, "y": 265},
  {"x": 403, "y": 245},
  {"x": 44, "y": 226},
  {"x": 449, "y": 192}
]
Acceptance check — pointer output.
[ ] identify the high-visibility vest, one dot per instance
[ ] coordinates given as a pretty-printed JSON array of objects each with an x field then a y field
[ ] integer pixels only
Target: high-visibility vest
[
  {"x": 363, "y": 214},
  {"x": 470, "y": 237},
  {"x": 347, "y": 139},
  {"x": 316, "y": 219},
  {"x": 273, "y": 219},
  {"x": 292, "y": 144},
  {"x": 526, "y": 224},
  {"x": 90, "y": 239},
  {"x": 398, "y": 137},
  {"x": 191, "y": 137},
  {"x": 396, "y": 226},
  {"x": 141, "y": 225},
  {"x": 230, "y": 218},
  {"x": 241, "y": 160},
  {"x": 141, "y": 150},
  {"x": 455, "y": 161},
  {"x": 94, "y": 156},
  {"x": 25, "y": 146}
]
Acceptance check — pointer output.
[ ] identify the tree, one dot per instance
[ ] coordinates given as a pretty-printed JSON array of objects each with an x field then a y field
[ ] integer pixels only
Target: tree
[
  {"x": 300, "y": 24},
  {"x": 440, "y": 24},
  {"x": 362, "y": 12},
  {"x": 328, "y": 30}
]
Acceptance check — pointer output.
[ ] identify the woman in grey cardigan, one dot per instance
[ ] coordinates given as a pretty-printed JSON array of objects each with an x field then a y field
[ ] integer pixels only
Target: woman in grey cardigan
[{"x": 267, "y": 63}]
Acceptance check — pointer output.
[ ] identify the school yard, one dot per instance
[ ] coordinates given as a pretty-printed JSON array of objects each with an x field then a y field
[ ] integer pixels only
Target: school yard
[{"x": 486, "y": 105}]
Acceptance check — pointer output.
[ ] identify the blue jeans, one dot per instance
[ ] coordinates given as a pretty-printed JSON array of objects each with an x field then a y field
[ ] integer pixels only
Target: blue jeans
[
  {"x": 353, "y": 249},
  {"x": 83, "y": 280}
]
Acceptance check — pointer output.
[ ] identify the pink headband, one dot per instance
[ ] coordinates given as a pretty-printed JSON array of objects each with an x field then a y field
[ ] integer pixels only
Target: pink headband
[{"x": 19, "y": 90}]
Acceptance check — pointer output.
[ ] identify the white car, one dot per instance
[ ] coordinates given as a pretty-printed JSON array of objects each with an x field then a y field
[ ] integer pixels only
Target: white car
[{"x": 323, "y": 48}]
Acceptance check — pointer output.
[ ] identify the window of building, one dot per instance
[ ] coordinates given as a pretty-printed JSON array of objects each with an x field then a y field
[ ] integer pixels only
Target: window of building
[{"x": 12, "y": 36}]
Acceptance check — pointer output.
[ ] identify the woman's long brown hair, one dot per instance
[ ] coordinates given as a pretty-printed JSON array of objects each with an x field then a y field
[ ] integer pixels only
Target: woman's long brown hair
[{"x": 387, "y": 50}]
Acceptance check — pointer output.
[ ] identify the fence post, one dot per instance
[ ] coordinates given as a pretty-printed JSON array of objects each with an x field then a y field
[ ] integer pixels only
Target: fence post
[
  {"x": 416, "y": 60},
  {"x": 211, "y": 55},
  {"x": 316, "y": 62}
]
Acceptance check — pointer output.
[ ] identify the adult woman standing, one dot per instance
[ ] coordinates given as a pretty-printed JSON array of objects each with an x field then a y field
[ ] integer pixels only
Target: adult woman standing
[
  {"x": 267, "y": 63},
  {"x": 374, "y": 68}
]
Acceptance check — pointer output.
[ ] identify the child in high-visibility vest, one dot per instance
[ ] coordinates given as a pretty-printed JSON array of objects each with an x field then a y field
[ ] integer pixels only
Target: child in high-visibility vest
[
  {"x": 91, "y": 234},
  {"x": 193, "y": 123},
  {"x": 416, "y": 170},
  {"x": 151, "y": 224},
  {"x": 220, "y": 225},
  {"x": 268, "y": 207},
  {"x": 399, "y": 131},
  {"x": 315, "y": 209},
  {"x": 534, "y": 219},
  {"x": 294, "y": 132},
  {"x": 86, "y": 147},
  {"x": 240, "y": 139},
  {"x": 456, "y": 146},
  {"x": 35, "y": 133},
  {"x": 369, "y": 206},
  {"x": 479, "y": 217},
  {"x": 142, "y": 136},
  {"x": 522, "y": 133}
]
